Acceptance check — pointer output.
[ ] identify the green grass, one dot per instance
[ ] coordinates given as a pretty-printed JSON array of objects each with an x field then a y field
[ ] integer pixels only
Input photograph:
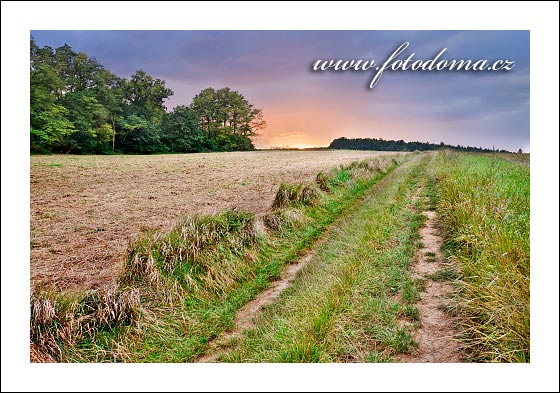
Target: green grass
[
  {"x": 445, "y": 274},
  {"x": 484, "y": 209},
  {"x": 193, "y": 279},
  {"x": 347, "y": 302},
  {"x": 376, "y": 357},
  {"x": 412, "y": 313}
]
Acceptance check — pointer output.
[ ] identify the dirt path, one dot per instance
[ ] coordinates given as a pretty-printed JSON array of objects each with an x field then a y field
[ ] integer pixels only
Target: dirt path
[
  {"x": 246, "y": 314},
  {"x": 436, "y": 336}
]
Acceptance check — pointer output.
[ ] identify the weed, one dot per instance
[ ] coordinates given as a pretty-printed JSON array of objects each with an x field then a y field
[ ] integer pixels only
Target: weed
[
  {"x": 446, "y": 274},
  {"x": 376, "y": 357},
  {"x": 410, "y": 292},
  {"x": 412, "y": 313}
]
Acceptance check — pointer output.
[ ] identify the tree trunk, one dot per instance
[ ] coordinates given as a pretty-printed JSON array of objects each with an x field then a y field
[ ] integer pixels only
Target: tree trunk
[{"x": 114, "y": 132}]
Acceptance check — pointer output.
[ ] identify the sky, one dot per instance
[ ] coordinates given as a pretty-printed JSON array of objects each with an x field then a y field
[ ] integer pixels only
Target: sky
[{"x": 306, "y": 108}]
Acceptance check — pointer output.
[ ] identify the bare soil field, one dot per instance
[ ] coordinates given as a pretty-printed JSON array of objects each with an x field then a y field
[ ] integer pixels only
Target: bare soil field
[{"x": 85, "y": 209}]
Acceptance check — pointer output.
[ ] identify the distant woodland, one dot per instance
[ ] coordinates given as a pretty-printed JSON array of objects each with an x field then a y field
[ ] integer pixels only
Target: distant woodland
[
  {"x": 78, "y": 106},
  {"x": 400, "y": 145}
]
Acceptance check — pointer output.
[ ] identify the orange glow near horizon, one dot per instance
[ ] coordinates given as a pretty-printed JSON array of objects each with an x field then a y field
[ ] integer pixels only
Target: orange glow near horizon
[
  {"x": 304, "y": 125},
  {"x": 299, "y": 124}
]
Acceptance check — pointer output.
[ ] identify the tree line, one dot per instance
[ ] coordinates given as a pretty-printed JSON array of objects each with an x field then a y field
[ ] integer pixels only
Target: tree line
[
  {"x": 400, "y": 145},
  {"x": 78, "y": 106}
]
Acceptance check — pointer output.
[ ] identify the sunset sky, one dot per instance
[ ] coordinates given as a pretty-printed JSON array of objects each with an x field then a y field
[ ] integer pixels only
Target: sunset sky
[{"x": 303, "y": 108}]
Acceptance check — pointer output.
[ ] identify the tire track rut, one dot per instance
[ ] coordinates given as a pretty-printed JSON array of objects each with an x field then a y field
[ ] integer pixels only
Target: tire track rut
[
  {"x": 247, "y": 314},
  {"x": 436, "y": 337}
]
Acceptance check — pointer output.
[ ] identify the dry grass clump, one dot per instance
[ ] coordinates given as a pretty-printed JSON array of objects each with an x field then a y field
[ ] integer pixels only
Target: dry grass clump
[
  {"x": 139, "y": 265},
  {"x": 377, "y": 164},
  {"x": 280, "y": 219},
  {"x": 322, "y": 181},
  {"x": 45, "y": 329},
  {"x": 37, "y": 355},
  {"x": 116, "y": 307},
  {"x": 355, "y": 170},
  {"x": 295, "y": 193},
  {"x": 363, "y": 164},
  {"x": 64, "y": 319}
]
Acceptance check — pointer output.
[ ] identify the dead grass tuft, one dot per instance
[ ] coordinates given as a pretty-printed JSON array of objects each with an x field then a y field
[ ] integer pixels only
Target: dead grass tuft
[
  {"x": 280, "y": 219},
  {"x": 42, "y": 310},
  {"x": 118, "y": 308},
  {"x": 198, "y": 235},
  {"x": 287, "y": 193},
  {"x": 65, "y": 319},
  {"x": 322, "y": 181},
  {"x": 139, "y": 264},
  {"x": 295, "y": 193},
  {"x": 309, "y": 195},
  {"x": 37, "y": 355}
]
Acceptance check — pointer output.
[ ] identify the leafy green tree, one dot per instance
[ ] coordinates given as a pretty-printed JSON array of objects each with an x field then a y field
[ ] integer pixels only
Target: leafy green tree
[
  {"x": 77, "y": 106},
  {"x": 146, "y": 95},
  {"x": 400, "y": 145},
  {"x": 225, "y": 113},
  {"x": 138, "y": 135},
  {"x": 205, "y": 104},
  {"x": 110, "y": 92},
  {"x": 48, "y": 118},
  {"x": 181, "y": 133},
  {"x": 49, "y": 127}
]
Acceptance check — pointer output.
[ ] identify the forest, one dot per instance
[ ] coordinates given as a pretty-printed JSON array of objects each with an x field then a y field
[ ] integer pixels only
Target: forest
[
  {"x": 400, "y": 145},
  {"x": 77, "y": 106}
]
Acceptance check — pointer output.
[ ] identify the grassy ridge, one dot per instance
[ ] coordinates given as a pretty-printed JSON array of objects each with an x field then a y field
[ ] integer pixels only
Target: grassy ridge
[
  {"x": 189, "y": 283},
  {"x": 484, "y": 209},
  {"x": 351, "y": 300}
]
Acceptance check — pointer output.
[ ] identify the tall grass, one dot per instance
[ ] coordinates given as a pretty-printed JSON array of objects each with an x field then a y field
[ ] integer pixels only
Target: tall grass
[
  {"x": 194, "y": 254},
  {"x": 484, "y": 209}
]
